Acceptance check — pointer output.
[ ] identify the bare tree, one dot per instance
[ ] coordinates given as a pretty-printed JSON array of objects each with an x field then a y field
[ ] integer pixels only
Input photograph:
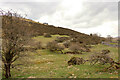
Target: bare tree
[{"x": 14, "y": 36}]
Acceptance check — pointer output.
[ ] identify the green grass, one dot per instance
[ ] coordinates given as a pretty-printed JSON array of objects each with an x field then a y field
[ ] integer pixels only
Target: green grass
[
  {"x": 45, "y": 40},
  {"x": 46, "y": 64},
  {"x": 114, "y": 43}
]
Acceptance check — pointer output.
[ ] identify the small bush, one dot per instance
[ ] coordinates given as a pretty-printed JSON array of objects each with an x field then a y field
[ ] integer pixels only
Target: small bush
[
  {"x": 104, "y": 58},
  {"x": 79, "y": 48},
  {"x": 38, "y": 45},
  {"x": 47, "y": 35},
  {"x": 105, "y": 51},
  {"x": 34, "y": 46},
  {"x": 75, "y": 48},
  {"x": 61, "y": 39},
  {"x": 54, "y": 46},
  {"x": 51, "y": 46},
  {"x": 101, "y": 58},
  {"x": 66, "y": 44},
  {"x": 69, "y": 52},
  {"x": 73, "y": 40},
  {"x": 76, "y": 61}
]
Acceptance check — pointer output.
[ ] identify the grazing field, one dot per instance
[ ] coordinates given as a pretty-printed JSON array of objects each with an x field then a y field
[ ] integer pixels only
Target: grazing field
[{"x": 45, "y": 64}]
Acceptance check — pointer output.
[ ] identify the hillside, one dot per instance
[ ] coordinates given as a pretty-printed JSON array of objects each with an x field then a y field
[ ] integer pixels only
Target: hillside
[
  {"x": 39, "y": 29},
  {"x": 35, "y": 50}
]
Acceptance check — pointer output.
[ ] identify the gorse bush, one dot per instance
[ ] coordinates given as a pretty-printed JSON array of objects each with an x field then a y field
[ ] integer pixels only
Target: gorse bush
[
  {"x": 36, "y": 45},
  {"x": 47, "y": 35},
  {"x": 78, "y": 48},
  {"x": 76, "y": 61},
  {"x": 61, "y": 39},
  {"x": 54, "y": 46},
  {"x": 75, "y": 48},
  {"x": 66, "y": 44}
]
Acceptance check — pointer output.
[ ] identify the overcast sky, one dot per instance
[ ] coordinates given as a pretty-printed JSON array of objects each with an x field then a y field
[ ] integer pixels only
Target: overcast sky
[{"x": 84, "y": 16}]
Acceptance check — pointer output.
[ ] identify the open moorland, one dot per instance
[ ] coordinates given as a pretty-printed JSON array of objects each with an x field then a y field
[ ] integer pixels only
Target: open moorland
[
  {"x": 43, "y": 63},
  {"x": 35, "y": 50}
]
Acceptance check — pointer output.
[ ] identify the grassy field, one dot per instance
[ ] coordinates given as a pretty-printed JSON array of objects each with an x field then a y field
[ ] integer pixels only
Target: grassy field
[{"x": 46, "y": 64}]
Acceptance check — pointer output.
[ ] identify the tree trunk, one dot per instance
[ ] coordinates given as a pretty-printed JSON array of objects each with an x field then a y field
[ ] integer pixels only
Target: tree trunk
[{"x": 7, "y": 70}]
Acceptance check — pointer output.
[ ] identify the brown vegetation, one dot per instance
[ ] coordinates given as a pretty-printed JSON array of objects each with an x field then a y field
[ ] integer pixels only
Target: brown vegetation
[
  {"x": 76, "y": 61},
  {"x": 54, "y": 46},
  {"x": 79, "y": 48},
  {"x": 40, "y": 29},
  {"x": 103, "y": 58},
  {"x": 47, "y": 35}
]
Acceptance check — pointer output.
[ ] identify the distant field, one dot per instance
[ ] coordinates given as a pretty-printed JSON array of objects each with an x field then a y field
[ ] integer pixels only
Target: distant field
[{"x": 46, "y": 64}]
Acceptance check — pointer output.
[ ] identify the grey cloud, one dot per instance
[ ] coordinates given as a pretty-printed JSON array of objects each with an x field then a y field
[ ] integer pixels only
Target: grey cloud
[
  {"x": 95, "y": 13},
  {"x": 37, "y": 9}
]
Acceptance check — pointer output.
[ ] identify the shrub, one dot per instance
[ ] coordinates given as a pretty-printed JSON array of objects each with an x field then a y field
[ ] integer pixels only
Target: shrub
[
  {"x": 38, "y": 45},
  {"x": 76, "y": 61},
  {"x": 75, "y": 48},
  {"x": 34, "y": 45},
  {"x": 66, "y": 44},
  {"x": 105, "y": 51},
  {"x": 69, "y": 52},
  {"x": 79, "y": 48},
  {"x": 54, "y": 46},
  {"x": 73, "y": 40},
  {"x": 101, "y": 58},
  {"x": 61, "y": 39},
  {"x": 104, "y": 58},
  {"x": 47, "y": 35},
  {"x": 85, "y": 48},
  {"x": 51, "y": 46}
]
